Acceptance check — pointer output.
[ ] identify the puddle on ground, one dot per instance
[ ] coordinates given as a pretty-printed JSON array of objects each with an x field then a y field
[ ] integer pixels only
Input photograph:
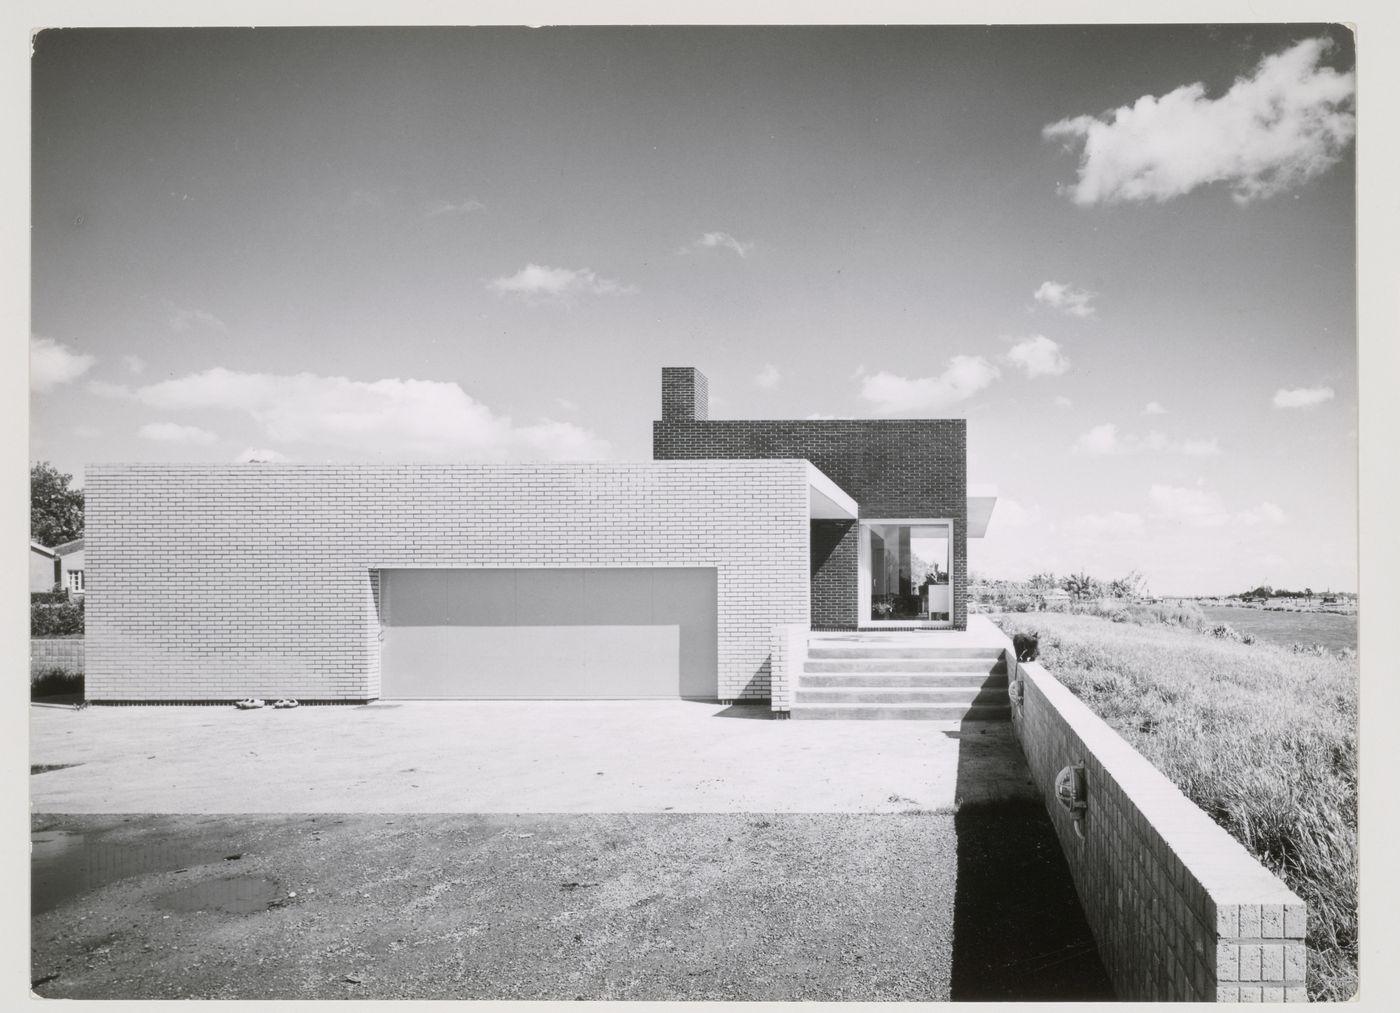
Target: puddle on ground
[
  {"x": 64, "y": 864},
  {"x": 242, "y": 896}
]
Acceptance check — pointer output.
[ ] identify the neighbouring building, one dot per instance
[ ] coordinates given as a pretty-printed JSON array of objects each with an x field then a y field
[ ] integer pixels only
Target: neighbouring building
[
  {"x": 72, "y": 573},
  {"x": 43, "y": 567},
  {"x": 653, "y": 579}
]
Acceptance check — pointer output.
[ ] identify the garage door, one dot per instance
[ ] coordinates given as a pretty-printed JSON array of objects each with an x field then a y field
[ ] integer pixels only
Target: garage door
[{"x": 564, "y": 634}]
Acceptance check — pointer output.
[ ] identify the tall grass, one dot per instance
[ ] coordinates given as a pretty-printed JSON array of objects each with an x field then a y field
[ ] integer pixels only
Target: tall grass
[{"x": 1260, "y": 737}]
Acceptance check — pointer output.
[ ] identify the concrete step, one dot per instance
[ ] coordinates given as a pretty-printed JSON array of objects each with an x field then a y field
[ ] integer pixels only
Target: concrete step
[
  {"x": 882, "y": 664},
  {"x": 967, "y": 696},
  {"x": 901, "y": 680},
  {"x": 817, "y": 648},
  {"x": 898, "y": 712}
]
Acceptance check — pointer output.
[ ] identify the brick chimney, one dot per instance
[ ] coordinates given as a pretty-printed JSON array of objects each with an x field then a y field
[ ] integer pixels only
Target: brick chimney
[{"x": 685, "y": 394}]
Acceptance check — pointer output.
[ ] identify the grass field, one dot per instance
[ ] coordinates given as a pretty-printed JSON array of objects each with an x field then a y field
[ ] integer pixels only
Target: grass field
[{"x": 1261, "y": 738}]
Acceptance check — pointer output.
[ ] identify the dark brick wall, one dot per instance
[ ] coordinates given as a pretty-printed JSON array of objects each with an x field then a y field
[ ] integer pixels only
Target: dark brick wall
[
  {"x": 892, "y": 467},
  {"x": 835, "y": 569},
  {"x": 685, "y": 394}
]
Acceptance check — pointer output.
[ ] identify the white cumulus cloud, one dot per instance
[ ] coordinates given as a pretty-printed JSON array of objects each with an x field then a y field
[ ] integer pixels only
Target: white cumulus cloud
[
  {"x": 1154, "y": 408},
  {"x": 1105, "y": 440},
  {"x": 255, "y": 455},
  {"x": 444, "y": 208},
  {"x": 183, "y": 319},
  {"x": 1038, "y": 356},
  {"x": 1272, "y": 131},
  {"x": 391, "y": 418},
  {"x": 537, "y": 282},
  {"x": 1303, "y": 397},
  {"x": 1115, "y": 523},
  {"x": 52, "y": 364},
  {"x": 1065, "y": 298},
  {"x": 964, "y": 377},
  {"x": 1063, "y": 402},
  {"x": 173, "y": 432},
  {"x": 720, "y": 241},
  {"x": 1202, "y": 508},
  {"x": 768, "y": 376}
]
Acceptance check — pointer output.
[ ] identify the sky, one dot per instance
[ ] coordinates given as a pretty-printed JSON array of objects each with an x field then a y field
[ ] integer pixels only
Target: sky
[{"x": 1125, "y": 254}]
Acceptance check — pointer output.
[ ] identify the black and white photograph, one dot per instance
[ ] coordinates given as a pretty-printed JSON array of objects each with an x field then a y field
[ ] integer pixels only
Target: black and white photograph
[{"x": 696, "y": 512}]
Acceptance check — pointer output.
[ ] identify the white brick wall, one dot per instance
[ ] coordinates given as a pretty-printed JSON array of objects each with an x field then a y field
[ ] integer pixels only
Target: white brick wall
[
  {"x": 1181, "y": 912},
  {"x": 214, "y": 582}
]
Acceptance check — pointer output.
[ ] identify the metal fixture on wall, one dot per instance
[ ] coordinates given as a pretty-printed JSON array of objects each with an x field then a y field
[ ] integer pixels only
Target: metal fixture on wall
[{"x": 1072, "y": 792}]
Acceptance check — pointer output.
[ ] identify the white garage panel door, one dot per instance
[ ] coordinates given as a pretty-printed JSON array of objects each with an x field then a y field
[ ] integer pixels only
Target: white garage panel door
[{"x": 530, "y": 634}]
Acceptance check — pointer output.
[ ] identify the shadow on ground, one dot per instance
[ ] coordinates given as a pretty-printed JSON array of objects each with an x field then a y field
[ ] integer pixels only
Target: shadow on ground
[{"x": 1019, "y": 933}]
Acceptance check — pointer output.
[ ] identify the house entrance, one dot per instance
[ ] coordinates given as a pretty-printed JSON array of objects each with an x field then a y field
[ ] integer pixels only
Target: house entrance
[{"x": 906, "y": 572}]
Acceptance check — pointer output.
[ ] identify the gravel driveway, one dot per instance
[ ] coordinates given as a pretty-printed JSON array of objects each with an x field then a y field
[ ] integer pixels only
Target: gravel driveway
[{"x": 701, "y": 906}]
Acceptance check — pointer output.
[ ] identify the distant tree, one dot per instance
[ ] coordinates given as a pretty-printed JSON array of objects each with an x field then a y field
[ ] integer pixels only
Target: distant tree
[
  {"x": 55, "y": 510},
  {"x": 1044, "y": 581},
  {"x": 1129, "y": 586},
  {"x": 1080, "y": 585}
]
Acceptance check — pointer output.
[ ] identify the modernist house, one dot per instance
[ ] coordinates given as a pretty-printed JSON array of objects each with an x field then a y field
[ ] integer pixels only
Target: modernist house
[{"x": 656, "y": 579}]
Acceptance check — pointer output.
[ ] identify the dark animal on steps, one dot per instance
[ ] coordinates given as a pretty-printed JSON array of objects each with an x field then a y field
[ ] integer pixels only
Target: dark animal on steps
[{"x": 1027, "y": 646}]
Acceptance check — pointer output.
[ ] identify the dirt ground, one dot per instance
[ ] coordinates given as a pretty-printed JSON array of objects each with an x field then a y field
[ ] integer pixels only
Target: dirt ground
[{"x": 913, "y": 906}]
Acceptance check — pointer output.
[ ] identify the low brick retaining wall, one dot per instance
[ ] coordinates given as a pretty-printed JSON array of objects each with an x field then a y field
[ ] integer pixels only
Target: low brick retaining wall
[
  {"x": 1180, "y": 910},
  {"x": 67, "y": 653}
]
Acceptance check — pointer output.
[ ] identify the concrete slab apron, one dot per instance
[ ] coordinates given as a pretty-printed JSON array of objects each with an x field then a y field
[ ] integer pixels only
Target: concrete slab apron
[{"x": 506, "y": 757}]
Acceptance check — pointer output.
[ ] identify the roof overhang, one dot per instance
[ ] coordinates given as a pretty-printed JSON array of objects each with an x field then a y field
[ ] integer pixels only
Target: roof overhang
[
  {"x": 981, "y": 499},
  {"x": 827, "y": 500}
]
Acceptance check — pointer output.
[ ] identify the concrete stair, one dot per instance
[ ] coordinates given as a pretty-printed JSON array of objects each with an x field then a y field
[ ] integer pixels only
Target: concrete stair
[{"x": 881, "y": 679}]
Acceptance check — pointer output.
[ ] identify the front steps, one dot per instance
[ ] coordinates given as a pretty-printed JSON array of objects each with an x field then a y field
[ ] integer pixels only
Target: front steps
[{"x": 882, "y": 678}]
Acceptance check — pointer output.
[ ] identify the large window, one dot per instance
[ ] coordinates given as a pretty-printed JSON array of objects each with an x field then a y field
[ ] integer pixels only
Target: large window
[
  {"x": 906, "y": 570},
  {"x": 75, "y": 581}
]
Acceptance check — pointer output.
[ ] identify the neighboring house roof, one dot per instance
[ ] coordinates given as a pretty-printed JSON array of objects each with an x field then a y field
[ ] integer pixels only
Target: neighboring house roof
[
  {"x": 76, "y": 545},
  {"x": 41, "y": 549}
]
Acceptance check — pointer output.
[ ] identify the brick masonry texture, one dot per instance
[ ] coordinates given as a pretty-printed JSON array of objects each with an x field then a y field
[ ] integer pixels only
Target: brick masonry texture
[
  {"x": 66, "y": 653},
  {"x": 216, "y": 582},
  {"x": 891, "y": 467},
  {"x": 685, "y": 393},
  {"x": 1181, "y": 912}
]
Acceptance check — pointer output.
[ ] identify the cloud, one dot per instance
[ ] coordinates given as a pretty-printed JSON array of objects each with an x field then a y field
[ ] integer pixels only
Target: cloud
[
  {"x": 768, "y": 377},
  {"x": 1303, "y": 397},
  {"x": 1063, "y": 402},
  {"x": 1283, "y": 126},
  {"x": 173, "y": 432},
  {"x": 182, "y": 319},
  {"x": 134, "y": 364},
  {"x": 718, "y": 240},
  {"x": 1009, "y": 513},
  {"x": 1105, "y": 440},
  {"x": 1065, "y": 298},
  {"x": 443, "y": 208},
  {"x": 260, "y": 456},
  {"x": 1099, "y": 440},
  {"x": 1198, "y": 448},
  {"x": 52, "y": 364},
  {"x": 561, "y": 284},
  {"x": 1154, "y": 408},
  {"x": 1116, "y": 523},
  {"x": 1038, "y": 356},
  {"x": 1202, "y": 508},
  {"x": 565, "y": 405},
  {"x": 964, "y": 377},
  {"x": 391, "y": 418}
]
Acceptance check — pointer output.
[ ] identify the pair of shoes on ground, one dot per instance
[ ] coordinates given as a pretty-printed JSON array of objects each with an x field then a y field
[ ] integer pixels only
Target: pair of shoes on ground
[{"x": 254, "y": 704}]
